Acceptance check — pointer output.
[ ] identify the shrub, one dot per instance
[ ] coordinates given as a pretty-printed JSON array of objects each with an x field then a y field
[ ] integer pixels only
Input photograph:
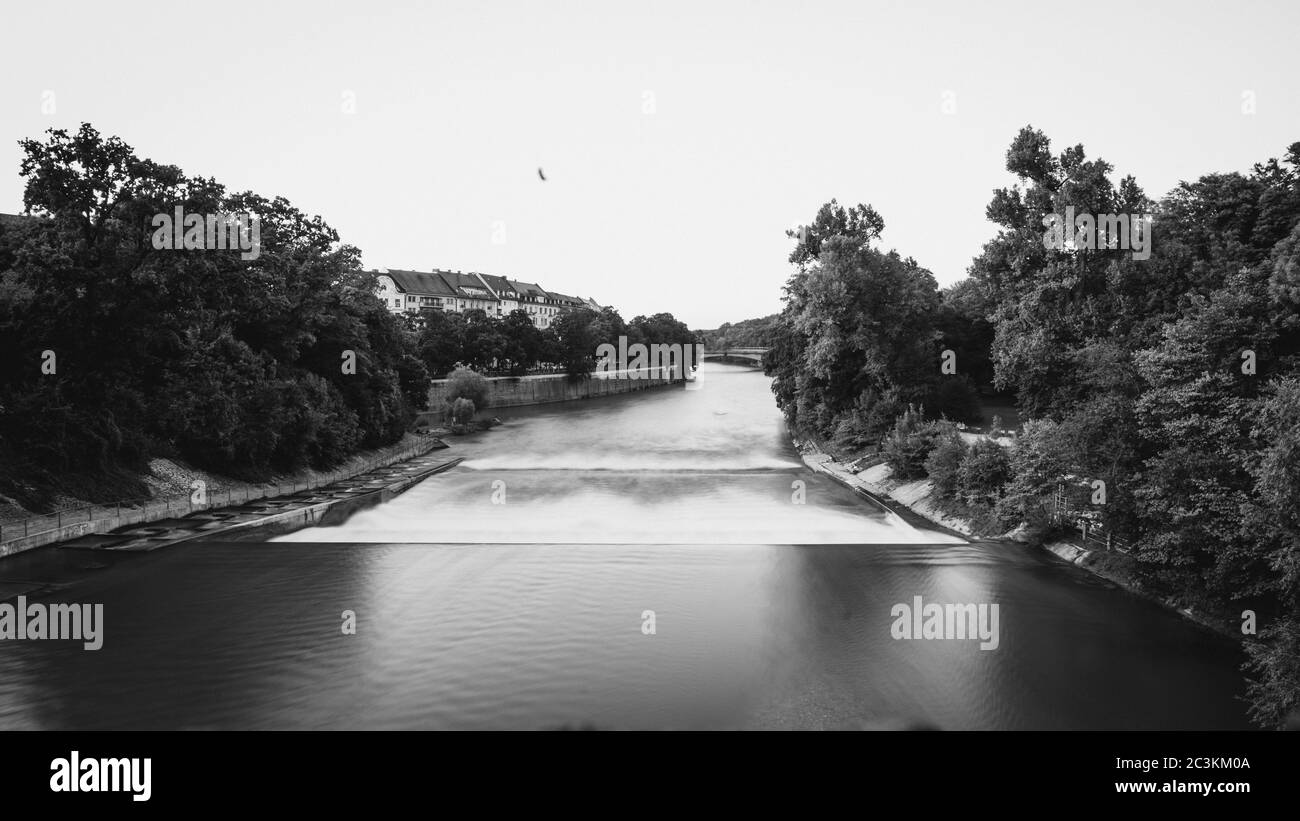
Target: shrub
[
  {"x": 982, "y": 473},
  {"x": 1037, "y": 465},
  {"x": 909, "y": 443},
  {"x": 467, "y": 384},
  {"x": 462, "y": 411},
  {"x": 944, "y": 461}
]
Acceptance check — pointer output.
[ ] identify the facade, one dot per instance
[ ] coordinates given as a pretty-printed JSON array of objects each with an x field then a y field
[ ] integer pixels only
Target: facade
[
  {"x": 540, "y": 305},
  {"x": 457, "y": 291},
  {"x": 568, "y": 302}
]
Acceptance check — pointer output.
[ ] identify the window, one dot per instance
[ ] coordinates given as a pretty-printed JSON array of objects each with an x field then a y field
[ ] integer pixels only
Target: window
[{"x": 397, "y": 303}]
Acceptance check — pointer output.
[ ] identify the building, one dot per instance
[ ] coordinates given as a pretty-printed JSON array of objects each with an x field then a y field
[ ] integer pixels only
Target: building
[
  {"x": 472, "y": 291},
  {"x": 540, "y": 305},
  {"x": 457, "y": 291},
  {"x": 567, "y": 302},
  {"x": 414, "y": 290},
  {"x": 506, "y": 293}
]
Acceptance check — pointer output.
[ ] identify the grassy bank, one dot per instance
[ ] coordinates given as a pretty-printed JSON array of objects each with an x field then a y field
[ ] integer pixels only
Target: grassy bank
[
  {"x": 162, "y": 478},
  {"x": 870, "y": 474}
]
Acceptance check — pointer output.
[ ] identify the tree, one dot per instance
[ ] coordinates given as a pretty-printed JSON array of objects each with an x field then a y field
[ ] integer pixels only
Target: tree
[
  {"x": 523, "y": 342},
  {"x": 982, "y": 473},
  {"x": 462, "y": 411},
  {"x": 858, "y": 325},
  {"x": 440, "y": 341},
  {"x": 464, "y": 383},
  {"x": 944, "y": 461},
  {"x": 236, "y": 364},
  {"x": 576, "y": 342},
  {"x": 483, "y": 344},
  {"x": 860, "y": 224}
]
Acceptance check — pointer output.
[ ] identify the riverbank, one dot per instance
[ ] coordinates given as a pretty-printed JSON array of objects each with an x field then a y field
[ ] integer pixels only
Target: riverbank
[
  {"x": 181, "y": 490},
  {"x": 918, "y": 496},
  {"x": 520, "y": 391}
]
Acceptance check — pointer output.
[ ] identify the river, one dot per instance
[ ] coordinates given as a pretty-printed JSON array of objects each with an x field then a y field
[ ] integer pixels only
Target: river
[{"x": 656, "y": 560}]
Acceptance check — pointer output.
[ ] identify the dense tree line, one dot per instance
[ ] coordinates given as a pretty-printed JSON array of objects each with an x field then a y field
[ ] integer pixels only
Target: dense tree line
[
  {"x": 239, "y": 365},
  {"x": 861, "y": 334},
  {"x": 117, "y": 351},
  {"x": 749, "y": 333},
  {"x": 1171, "y": 376},
  {"x": 512, "y": 345}
]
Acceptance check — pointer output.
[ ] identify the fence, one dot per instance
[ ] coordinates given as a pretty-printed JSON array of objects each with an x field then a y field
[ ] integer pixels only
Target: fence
[
  {"x": 1083, "y": 518},
  {"x": 151, "y": 510}
]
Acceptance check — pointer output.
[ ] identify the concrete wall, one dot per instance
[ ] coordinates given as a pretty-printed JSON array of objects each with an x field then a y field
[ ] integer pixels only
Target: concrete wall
[
  {"x": 509, "y": 392},
  {"x": 61, "y": 527}
]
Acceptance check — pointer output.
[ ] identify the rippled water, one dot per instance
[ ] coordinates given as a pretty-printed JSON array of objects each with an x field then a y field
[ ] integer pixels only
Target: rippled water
[{"x": 511, "y": 592}]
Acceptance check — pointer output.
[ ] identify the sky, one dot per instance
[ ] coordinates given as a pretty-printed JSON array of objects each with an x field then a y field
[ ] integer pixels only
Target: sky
[{"x": 679, "y": 140}]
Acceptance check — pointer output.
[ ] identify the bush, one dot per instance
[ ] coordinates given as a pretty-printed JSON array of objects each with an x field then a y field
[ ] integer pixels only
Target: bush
[
  {"x": 944, "y": 461},
  {"x": 462, "y": 411},
  {"x": 1037, "y": 465},
  {"x": 982, "y": 473},
  {"x": 464, "y": 383},
  {"x": 909, "y": 443}
]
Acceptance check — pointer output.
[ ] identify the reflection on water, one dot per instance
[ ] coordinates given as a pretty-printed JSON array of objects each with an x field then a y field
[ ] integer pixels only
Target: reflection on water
[{"x": 529, "y": 613}]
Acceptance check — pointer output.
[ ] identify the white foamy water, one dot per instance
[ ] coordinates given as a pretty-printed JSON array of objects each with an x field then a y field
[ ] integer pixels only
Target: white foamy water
[
  {"x": 532, "y": 614},
  {"x": 713, "y": 466}
]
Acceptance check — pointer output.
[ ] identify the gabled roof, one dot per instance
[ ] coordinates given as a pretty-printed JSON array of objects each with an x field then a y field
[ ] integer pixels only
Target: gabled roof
[
  {"x": 458, "y": 284},
  {"x": 463, "y": 282},
  {"x": 531, "y": 289},
  {"x": 419, "y": 282},
  {"x": 501, "y": 285},
  {"x": 565, "y": 298}
]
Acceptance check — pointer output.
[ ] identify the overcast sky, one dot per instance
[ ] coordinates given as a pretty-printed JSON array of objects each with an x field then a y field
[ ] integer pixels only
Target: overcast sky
[{"x": 679, "y": 140}]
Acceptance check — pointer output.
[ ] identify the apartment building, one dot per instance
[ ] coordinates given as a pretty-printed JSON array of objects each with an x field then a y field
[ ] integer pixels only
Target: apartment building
[{"x": 458, "y": 291}]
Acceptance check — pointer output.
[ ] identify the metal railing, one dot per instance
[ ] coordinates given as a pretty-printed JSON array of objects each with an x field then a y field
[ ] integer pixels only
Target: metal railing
[
  {"x": 143, "y": 510},
  {"x": 1084, "y": 519}
]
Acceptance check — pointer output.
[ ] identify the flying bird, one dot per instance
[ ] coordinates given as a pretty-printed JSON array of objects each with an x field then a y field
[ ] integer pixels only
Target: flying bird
[{"x": 540, "y": 174}]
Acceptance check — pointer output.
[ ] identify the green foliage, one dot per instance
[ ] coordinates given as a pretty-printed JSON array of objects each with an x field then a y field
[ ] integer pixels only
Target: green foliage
[
  {"x": 1275, "y": 663},
  {"x": 909, "y": 444},
  {"x": 1134, "y": 371},
  {"x": 464, "y": 383},
  {"x": 1274, "y": 519},
  {"x": 462, "y": 411},
  {"x": 1037, "y": 466},
  {"x": 1130, "y": 371},
  {"x": 441, "y": 342},
  {"x": 576, "y": 342},
  {"x": 233, "y": 364},
  {"x": 857, "y": 322},
  {"x": 943, "y": 463},
  {"x": 982, "y": 473},
  {"x": 860, "y": 224},
  {"x": 749, "y": 333}
]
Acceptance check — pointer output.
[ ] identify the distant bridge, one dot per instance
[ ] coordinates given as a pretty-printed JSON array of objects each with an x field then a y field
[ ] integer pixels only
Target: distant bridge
[{"x": 750, "y": 355}]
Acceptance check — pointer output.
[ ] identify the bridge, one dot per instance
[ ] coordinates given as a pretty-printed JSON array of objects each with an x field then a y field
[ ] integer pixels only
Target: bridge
[{"x": 753, "y": 356}]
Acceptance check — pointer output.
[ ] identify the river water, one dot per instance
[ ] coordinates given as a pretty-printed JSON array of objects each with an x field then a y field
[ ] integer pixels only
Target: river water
[{"x": 658, "y": 560}]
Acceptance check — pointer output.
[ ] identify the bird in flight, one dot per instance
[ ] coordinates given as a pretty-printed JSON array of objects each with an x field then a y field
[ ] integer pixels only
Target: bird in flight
[{"x": 540, "y": 174}]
